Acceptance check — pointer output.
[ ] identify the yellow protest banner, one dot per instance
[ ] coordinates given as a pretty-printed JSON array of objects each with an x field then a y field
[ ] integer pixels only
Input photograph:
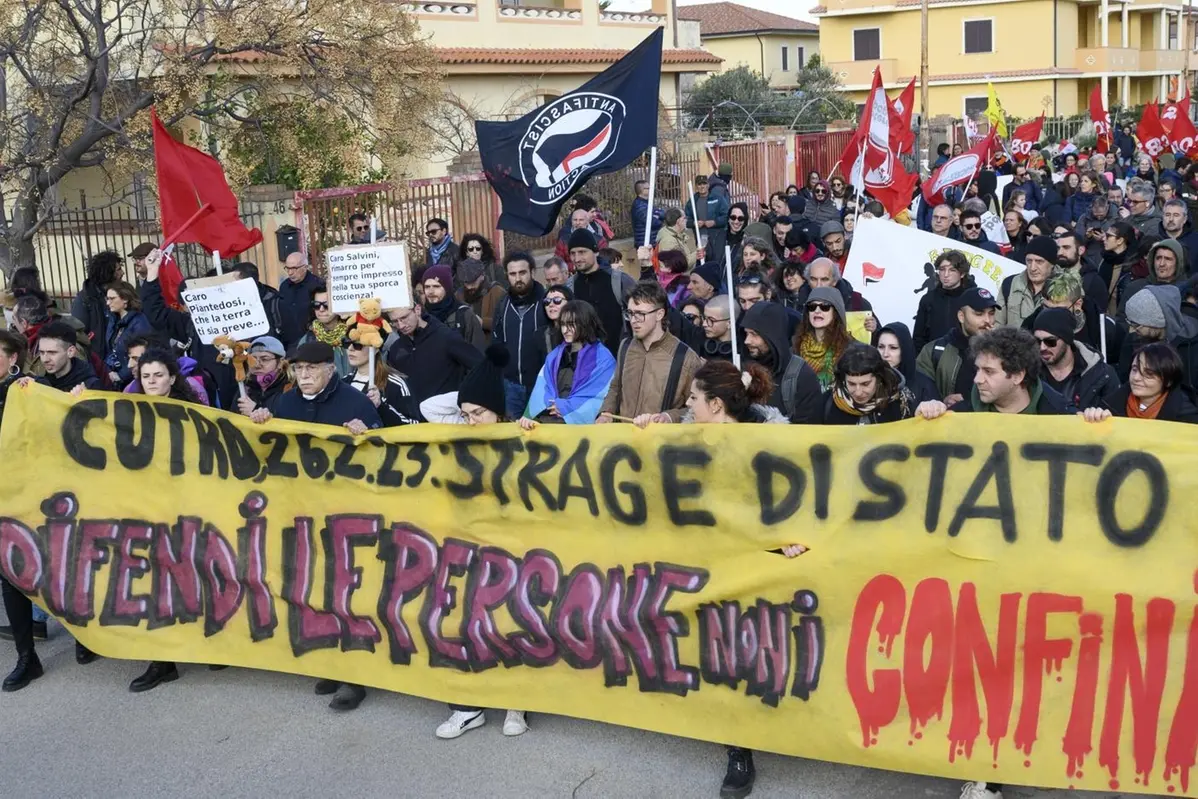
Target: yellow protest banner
[{"x": 985, "y": 597}]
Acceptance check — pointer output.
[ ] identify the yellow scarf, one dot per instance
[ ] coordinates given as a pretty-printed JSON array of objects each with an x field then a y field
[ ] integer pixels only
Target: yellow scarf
[
  {"x": 334, "y": 336},
  {"x": 821, "y": 358}
]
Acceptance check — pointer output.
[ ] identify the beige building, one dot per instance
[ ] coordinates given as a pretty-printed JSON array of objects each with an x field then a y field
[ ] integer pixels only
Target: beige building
[{"x": 774, "y": 45}]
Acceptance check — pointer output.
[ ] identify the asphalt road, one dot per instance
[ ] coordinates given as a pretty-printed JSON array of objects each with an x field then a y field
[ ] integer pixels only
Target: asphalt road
[{"x": 78, "y": 732}]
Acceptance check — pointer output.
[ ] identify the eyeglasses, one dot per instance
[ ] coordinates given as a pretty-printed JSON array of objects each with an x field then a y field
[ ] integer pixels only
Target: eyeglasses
[
  {"x": 818, "y": 192},
  {"x": 432, "y": 231},
  {"x": 972, "y": 226},
  {"x": 474, "y": 248},
  {"x": 819, "y": 306},
  {"x": 736, "y": 218},
  {"x": 554, "y": 300},
  {"x": 639, "y": 316},
  {"x": 691, "y": 317},
  {"x": 1048, "y": 341},
  {"x": 320, "y": 306},
  {"x": 1137, "y": 202},
  {"x": 294, "y": 268},
  {"x": 360, "y": 228},
  {"x": 750, "y": 280},
  {"x": 711, "y": 321},
  {"x": 356, "y": 346}
]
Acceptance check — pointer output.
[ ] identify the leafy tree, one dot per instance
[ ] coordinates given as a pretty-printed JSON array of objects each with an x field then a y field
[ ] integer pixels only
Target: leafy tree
[{"x": 77, "y": 79}]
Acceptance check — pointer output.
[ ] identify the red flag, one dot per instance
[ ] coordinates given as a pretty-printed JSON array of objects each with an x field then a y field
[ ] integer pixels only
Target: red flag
[
  {"x": 1151, "y": 133},
  {"x": 959, "y": 170},
  {"x": 874, "y": 128},
  {"x": 902, "y": 137},
  {"x": 189, "y": 179},
  {"x": 1101, "y": 120},
  {"x": 1172, "y": 111},
  {"x": 1183, "y": 136},
  {"x": 1024, "y": 137},
  {"x": 894, "y": 189}
]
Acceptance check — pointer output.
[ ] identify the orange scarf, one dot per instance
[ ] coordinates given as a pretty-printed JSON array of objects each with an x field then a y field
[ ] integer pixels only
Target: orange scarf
[{"x": 1133, "y": 407}]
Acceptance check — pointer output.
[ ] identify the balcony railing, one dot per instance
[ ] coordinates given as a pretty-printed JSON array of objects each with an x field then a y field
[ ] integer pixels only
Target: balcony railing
[{"x": 1107, "y": 59}]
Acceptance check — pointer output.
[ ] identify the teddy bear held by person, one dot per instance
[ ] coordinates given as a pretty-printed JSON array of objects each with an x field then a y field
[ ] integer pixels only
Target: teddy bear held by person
[{"x": 368, "y": 326}]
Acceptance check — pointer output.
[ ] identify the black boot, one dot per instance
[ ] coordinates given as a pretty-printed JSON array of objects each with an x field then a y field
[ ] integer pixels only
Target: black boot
[
  {"x": 738, "y": 782},
  {"x": 326, "y": 687},
  {"x": 28, "y": 669},
  {"x": 83, "y": 655},
  {"x": 158, "y": 673},
  {"x": 348, "y": 697}
]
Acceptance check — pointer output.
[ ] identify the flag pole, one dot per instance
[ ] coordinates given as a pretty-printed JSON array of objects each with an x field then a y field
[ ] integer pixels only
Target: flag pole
[
  {"x": 216, "y": 262},
  {"x": 374, "y": 232},
  {"x": 179, "y": 231},
  {"x": 652, "y": 191},
  {"x": 731, "y": 302},
  {"x": 690, "y": 187}
]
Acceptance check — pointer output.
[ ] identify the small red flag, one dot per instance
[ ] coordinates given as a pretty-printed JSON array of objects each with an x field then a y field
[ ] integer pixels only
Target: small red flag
[
  {"x": 1101, "y": 120},
  {"x": 901, "y": 135},
  {"x": 1024, "y": 137},
  {"x": 1151, "y": 133}
]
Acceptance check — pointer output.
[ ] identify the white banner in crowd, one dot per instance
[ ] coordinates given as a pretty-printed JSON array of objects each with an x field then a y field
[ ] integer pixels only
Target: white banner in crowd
[
  {"x": 226, "y": 306},
  {"x": 992, "y": 226},
  {"x": 892, "y": 266},
  {"x": 362, "y": 271}
]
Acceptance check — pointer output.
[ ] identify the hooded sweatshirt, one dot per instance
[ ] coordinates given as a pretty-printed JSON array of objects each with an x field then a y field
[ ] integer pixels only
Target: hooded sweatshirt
[
  {"x": 1180, "y": 330},
  {"x": 797, "y": 391},
  {"x": 937, "y": 312},
  {"x": 922, "y": 386},
  {"x": 822, "y": 211},
  {"x": 1180, "y": 275}
]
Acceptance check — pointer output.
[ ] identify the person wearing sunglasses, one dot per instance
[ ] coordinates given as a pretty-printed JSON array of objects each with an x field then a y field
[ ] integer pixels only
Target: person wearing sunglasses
[
  {"x": 823, "y": 334},
  {"x": 326, "y": 326},
  {"x": 738, "y": 221},
  {"x": 387, "y": 389},
  {"x": 551, "y": 335},
  {"x": 441, "y": 247},
  {"x": 476, "y": 247},
  {"x": 820, "y": 208},
  {"x": 574, "y": 381},
  {"x": 359, "y": 230},
  {"x": 1071, "y": 368},
  {"x": 1141, "y": 209},
  {"x": 972, "y": 233}
]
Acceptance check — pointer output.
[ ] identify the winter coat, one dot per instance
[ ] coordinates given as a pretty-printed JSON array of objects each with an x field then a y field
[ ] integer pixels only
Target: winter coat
[
  {"x": 820, "y": 212},
  {"x": 901, "y": 405},
  {"x": 434, "y": 358},
  {"x": 1018, "y": 300},
  {"x": 1031, "y": 191},
  {"x": 189, "y": 369},
  {"x": 922, "y": 386},
  {"x": 449, "y": 256},
  {"x": 1148, "y": 223},
  {"x": 1116, "y": 273},
  {"x": 1078, "y": 205},
  {"x": 335, "y": 405},
  {"x": 122, "y": 330},
  {"x": 937, "y": 312},
  {"x": 640, "y": 214},
  {"x": 80, "y": 372},
  {"x": 797, "y": 391},
  {"x": 715, "y": 209},
  {"x": 1044, "y": 402},
  {"x": 460, "y": 318},
  {"x": 268, "y": 397},
  {"x": 1180, "y": 405},
  {"x": 684, "y": 242},
  {"x": 982, "y": 242},
  {"x": 295, "y": 307},
  {"x": 398, "y": 406},
  {"x": 946, "y": 362},
  {"x": 599, "y": 289},
  {"x": 1090, "y": 383},
  {"x": 1180, "y": 276},
  {"x": 90, "y": 308},
  {"x": 340, "y": 358},
  {"x": 517, "y": 326},
  {"x": 642, "y": 380},
  {"x": 178, "y": 326},
  {"x": 484, "y": 306}
]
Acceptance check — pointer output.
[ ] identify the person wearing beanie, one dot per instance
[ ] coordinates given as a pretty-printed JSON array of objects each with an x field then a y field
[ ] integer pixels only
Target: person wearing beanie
[
  {"x": 440, "y": 302},
  {"x": 1023, "y": 293},
  {"x": 604, "y": 288},
  {"x": 1154, "y": 314},
  {"x": 479, "y": 291},
  {"x": 706, "y": 280},
  {"x": 320, "y": 397},
  {"x": 1073, "y": 369},
  {"x": 823, "y": 334}
]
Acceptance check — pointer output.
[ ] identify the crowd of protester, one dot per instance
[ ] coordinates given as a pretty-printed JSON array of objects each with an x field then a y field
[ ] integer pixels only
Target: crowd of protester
[{"x": 1103, "y": 322}]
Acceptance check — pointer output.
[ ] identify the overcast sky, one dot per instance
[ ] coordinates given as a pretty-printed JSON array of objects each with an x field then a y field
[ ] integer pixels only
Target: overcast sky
[{"x": 789, "y": 8}]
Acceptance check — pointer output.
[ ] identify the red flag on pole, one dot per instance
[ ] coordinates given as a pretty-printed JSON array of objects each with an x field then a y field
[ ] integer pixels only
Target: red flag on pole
[
  {"x": 1024, "y": 137},
  {"x": 1172, "y": 111},
  {"x": 959, "y": 170},
  {"x": 1101, "y": 120},
  {"x": 874, "y": 128},
  {"x": 189, "y": 180},
  {"x": 1151, "y": 133},
  {"x": 1183, "y": 136},
  {"x": 901, "y": 133}
]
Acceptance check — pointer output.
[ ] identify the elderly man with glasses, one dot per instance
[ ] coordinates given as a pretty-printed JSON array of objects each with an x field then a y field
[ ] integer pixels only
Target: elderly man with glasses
[
  {"x": 1141, "y": 211},
  {"x": 295, "y": 298}
]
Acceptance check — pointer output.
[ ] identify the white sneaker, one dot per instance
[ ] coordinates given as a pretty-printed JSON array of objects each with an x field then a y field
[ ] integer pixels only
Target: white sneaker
[
  {"x": 978, "y": 790},
  {"x": 515, "y": 723},
  {"x": 461, "y": 721}
]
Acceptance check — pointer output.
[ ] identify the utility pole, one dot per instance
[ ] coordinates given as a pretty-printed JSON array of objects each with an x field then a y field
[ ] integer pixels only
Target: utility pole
[
  {"x": 1185, "y": 50},
  {"x": 925, "y": 133}
]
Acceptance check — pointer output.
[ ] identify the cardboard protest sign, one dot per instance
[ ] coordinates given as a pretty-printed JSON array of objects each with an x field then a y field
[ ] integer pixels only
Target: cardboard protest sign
[
  {"x": 226, "y": 306},
  {"x": 985, "y": 597},
  {"x": 361, "y": 271},
  {"x": 892, "y": 266}
]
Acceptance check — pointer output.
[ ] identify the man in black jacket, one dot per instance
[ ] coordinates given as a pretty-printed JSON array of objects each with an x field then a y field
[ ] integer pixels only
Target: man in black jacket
[
  {"x": 1071, "y": 368},
  {"x": 59, "y": 354},
  {"x": 604, "y": 289},
  {"x": 937, "y": 313},
  {"x": 178, "y": 326},
  {"x": 295, "y": 298},
  {"x": 797, "y": 390},
  {"x": 519, "y": 317},
  {"x": 433, "y": 358}
]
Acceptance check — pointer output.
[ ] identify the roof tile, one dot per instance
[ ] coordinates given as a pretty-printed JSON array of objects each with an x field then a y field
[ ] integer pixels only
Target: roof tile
[
  {"x": 501, "y": 55},
  {"x": 722, "y": 18}
]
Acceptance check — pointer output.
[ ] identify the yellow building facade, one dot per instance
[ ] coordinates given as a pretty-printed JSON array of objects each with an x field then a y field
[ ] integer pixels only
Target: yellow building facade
[
  {"x": 1043, "y": 56},
  {"x": 771, "y": 44}
]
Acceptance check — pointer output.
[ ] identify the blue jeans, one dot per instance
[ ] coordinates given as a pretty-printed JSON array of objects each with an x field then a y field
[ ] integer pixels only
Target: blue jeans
[
  {"x": 515, "y": 398},
  {"x": 39, "y": 614}
]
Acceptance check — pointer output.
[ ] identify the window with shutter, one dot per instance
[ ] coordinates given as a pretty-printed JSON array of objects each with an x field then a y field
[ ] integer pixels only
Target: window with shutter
[
  {"x": 867, "y": 44},
  {"x": 979, "y": 36},
  {"x": 786, "y": 59}
]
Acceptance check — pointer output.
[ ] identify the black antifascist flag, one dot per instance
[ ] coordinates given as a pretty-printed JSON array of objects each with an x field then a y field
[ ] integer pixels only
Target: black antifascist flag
[{"x": 537, "y": 162}]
